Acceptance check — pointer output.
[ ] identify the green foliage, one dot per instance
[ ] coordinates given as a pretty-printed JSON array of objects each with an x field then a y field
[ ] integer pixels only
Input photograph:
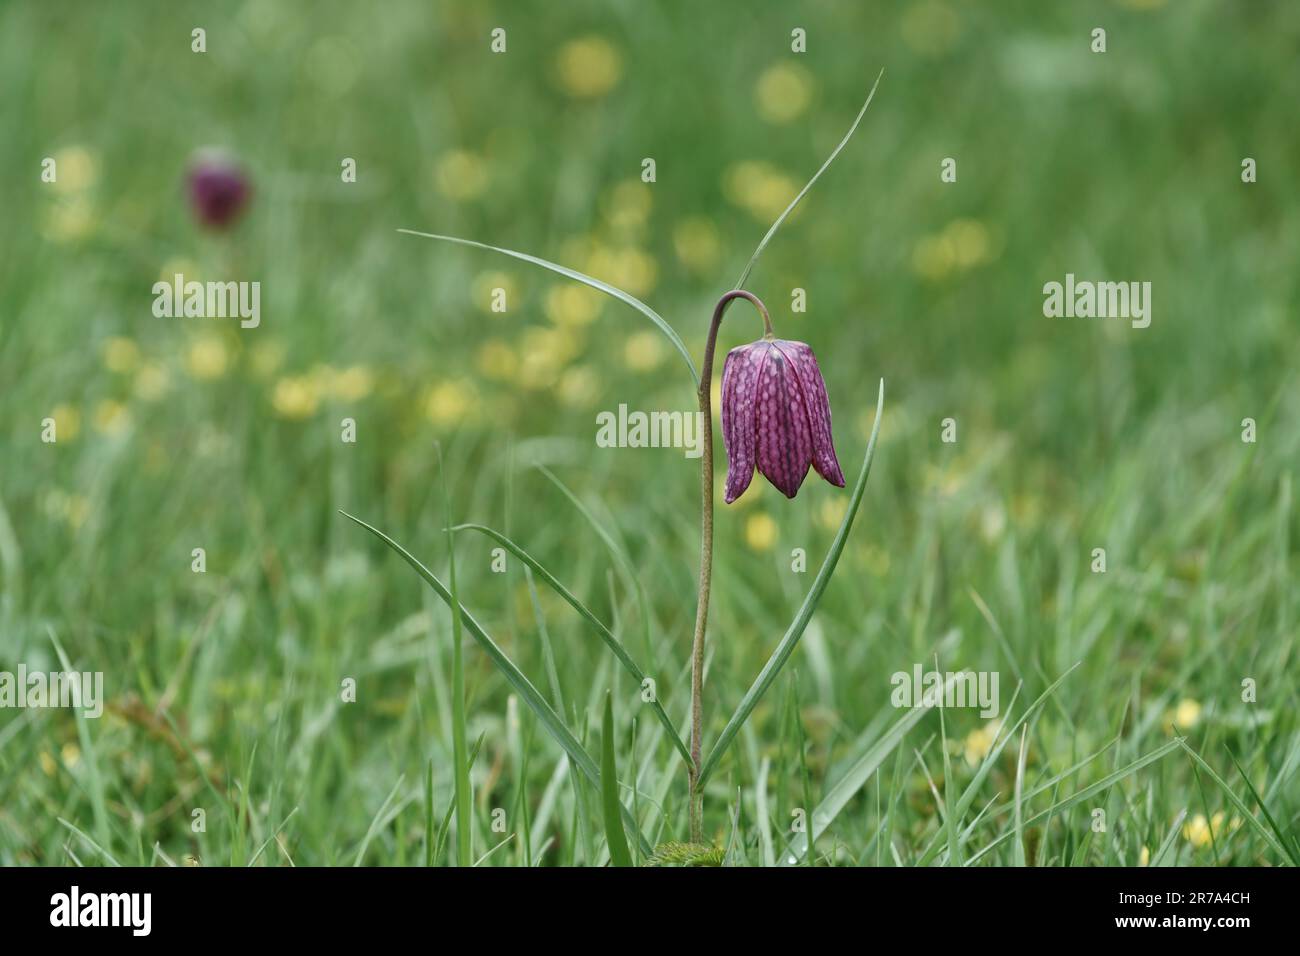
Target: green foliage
[
  {"x": 686, "y": 854},
  {"x": 223, "y": 688}
]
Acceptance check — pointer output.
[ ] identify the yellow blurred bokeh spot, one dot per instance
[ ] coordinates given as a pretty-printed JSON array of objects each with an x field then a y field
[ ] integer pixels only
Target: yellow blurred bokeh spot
[
  {"x": 121, "y": 354},
  {"x": 783, "y": 92},
  {"x": 450, "y": 402},
  {"x": 760, "y": 531},
  {"x": 207, "y": 358},
  {"x": 296, "y": 397},
  {"x": 588, "y": 67},
  {"x": 461, "y": 175}
]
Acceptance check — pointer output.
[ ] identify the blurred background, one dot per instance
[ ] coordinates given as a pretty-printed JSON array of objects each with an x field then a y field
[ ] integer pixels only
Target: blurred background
[{"x": 175, "y": 434}]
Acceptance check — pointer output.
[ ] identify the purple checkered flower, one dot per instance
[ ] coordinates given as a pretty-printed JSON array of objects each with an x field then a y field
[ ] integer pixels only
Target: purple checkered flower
[
  {"x": 775, "y": 413},
  {"x": 218, "y": 187}
]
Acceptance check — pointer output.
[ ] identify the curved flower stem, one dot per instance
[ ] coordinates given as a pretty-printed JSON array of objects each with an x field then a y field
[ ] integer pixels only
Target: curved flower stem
[{"x": 706, "y": 545}]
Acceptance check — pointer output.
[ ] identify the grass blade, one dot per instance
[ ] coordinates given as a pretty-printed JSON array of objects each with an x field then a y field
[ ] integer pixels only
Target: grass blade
[
  {"x": 274, "y": 834},
  {"x": 949, "y": 802},
  {"x": 513, "y": 675},
  {"x": 616, "y": 550},
  {"x": 619, "y": 854},
  {"x": 1158, "y": 857},
  {"x": 460, "y": 763},
  {"x": 788, "y": 643},
  {"x": 94, "y": 781},
  {"x": 1091, "y": 790},
  {"x": 91, "y": 843},
  {"x": 744, "y": 276},
  {"x": 597, "y": 284},
  {"x": 991, "y": 758},
  {"x": 441, "y": 841},
  {"x": 838, "y": 796},
  {"x": 1281, "y": 837},
  {"x": 1020, "y": 785},
  {"x": 612, "y": 642},
  {"x": 376, "y": 821},
  {"x": 1236, "y": 800}
]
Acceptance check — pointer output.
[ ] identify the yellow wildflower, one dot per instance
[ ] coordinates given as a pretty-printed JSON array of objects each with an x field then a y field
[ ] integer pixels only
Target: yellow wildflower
[
  {"x": 644, "y": 351},
  {"x": 76, "y": 170},
  {"x": 1200, "y": 832},
  {"x": 588, "y": 67},
  {"x": 461, "y": 175},
  {"x": 628, "y": 206},
  {"x": 67, "y": 422},
  {"x": 760, "y": 189},
  {"x": 207, "y": 359},
  {"x": 1187, "y": 714},
  {"x": 450, "y": 402},
  {"x": 579, "y": 386},
  {"x": 151, "y": 382},
  {"x": 980, "y": 741},
  {"x": 352, "y": 384},
  {"x": 783, "y": 92},
  {"x": 629, "y": 269},
  {"x": 760, "y": 531},
  {"x": 496, "y": 359},
  {"x": 121, "y": 354},
  {"x": 696, "y": 243},
  {"x": 832, "y": 510},
  {"x": 296, "y": 397},
  {"x": 572, "y": 304},
  {"x": 111, "y": 417}
]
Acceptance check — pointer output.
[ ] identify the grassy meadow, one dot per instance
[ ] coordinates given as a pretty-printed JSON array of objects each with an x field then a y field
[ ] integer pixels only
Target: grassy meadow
[{"x": 304, "y": 691}]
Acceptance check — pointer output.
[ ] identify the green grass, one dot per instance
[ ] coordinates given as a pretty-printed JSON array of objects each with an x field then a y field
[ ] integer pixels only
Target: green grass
[{"x": 224, "y": 688}]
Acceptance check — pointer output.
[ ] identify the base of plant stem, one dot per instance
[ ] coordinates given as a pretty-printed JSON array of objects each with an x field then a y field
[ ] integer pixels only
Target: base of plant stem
[{"x": 696, "y": 801}]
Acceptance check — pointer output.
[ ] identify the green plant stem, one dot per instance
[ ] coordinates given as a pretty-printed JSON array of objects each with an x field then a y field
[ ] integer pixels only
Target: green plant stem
[{"x": 706, "y": 546}]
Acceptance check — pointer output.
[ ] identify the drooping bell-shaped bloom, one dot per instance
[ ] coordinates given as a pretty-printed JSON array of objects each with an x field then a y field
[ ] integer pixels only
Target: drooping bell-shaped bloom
[
  {"x": 775, "y": 414},
  {"x": 218, "y": 188}
]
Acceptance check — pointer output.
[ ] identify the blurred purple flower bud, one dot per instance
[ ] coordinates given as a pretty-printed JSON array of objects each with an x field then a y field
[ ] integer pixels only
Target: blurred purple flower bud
[
  {"x": 219, "y": 188},
  {"x": 775, "y": 412}
]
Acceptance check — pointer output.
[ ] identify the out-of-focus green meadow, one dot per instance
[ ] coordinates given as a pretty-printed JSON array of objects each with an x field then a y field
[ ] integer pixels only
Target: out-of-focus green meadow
[{"x": 1072, "y": 434}]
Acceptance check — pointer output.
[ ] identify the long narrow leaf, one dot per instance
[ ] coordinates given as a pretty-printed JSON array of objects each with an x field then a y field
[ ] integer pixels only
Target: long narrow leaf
[
  {"x": 791, "y": 639},
  {"x": 1281, "y": 837},
  {"x": 574, "y": 274},
  {"x": 612, "y": 806},
  {"x": 744, "y": 276},
  {"x": 513, "y": 675},
  {"x": 377, "y": 821},
  {"x": 1237, "y": 802},
  {"x": 1157, "y": 858},
  {"x": 464, "y": 808},
  {"x": 612, "y": 642},
  {"x": 616, "y": 550}
]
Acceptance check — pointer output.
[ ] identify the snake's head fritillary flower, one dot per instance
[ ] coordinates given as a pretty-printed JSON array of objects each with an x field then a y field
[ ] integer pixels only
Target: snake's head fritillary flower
[
  {"x": 775, "y": 414},
  {"x": 218, "y": 187}
]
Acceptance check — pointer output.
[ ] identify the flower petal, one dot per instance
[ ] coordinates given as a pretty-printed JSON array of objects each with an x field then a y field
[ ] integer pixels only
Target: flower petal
[
  {"x": 739, "y": 378},
  {"x": 784, "y": 439},
  {"x": 813, "y": 389}
]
